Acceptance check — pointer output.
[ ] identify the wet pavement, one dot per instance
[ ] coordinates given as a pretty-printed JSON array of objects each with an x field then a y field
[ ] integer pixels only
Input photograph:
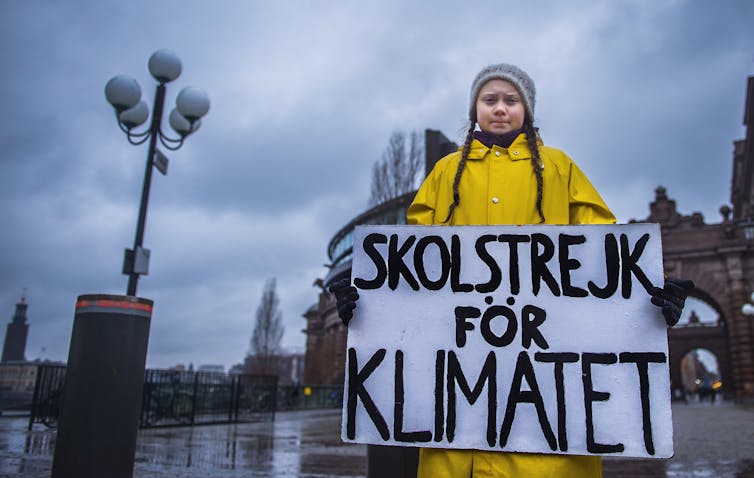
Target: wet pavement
[
  {"x": 302, "y": 444},
  {"x": 710, "y": 441}
]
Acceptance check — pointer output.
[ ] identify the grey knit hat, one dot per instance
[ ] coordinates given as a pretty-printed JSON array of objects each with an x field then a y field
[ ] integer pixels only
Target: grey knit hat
[{"x": 503, "y": 71}]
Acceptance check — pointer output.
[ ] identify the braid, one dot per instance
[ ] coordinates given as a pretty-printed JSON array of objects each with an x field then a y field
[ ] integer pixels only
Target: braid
[
  {"x": 536, "y": 162},
  {"x": 461, "y": 165}
]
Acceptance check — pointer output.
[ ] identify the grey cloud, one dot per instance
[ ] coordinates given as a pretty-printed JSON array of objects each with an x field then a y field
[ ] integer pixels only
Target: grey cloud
[{"x": 304, "y": 99}]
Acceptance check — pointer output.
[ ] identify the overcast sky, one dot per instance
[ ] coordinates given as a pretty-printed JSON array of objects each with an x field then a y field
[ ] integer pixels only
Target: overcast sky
[{"x": 304, "y": 96}]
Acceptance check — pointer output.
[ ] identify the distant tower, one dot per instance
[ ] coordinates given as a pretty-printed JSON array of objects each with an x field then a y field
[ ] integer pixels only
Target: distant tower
[{"x": 14, "y": 347}]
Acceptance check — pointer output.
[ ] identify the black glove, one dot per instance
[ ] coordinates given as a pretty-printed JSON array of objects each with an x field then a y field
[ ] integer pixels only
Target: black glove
[
  {"x": 671, "y": 298},
  {"x": 346, "y": 296}
]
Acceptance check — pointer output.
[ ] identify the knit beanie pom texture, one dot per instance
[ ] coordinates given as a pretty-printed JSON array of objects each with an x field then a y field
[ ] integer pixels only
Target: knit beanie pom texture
[{"x": 510, "y": 73}]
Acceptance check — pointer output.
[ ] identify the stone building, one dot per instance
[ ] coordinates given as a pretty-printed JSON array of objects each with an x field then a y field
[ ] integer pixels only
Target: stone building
[
  {"x": 325, "y": 334},
  {"x": 17, "y": 377},
  {"x": 719, "y": 258},
  {"x": 288, "y": 367}
]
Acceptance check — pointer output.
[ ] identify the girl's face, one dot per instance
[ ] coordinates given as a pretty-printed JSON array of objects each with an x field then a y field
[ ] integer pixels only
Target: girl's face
[{"x": 499, "y": 107}]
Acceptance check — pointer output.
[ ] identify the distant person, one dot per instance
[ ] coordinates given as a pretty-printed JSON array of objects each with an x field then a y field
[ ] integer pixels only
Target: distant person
[
  {"x": 706, "y": 392},
  {"x": 504, "y": 174},
  {"x": 680, "y": 394}
]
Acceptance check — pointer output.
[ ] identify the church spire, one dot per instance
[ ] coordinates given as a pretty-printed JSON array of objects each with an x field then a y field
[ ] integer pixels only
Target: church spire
[
  {"x": 14, "y": 348},
  {"x": 19, "y": 317}
]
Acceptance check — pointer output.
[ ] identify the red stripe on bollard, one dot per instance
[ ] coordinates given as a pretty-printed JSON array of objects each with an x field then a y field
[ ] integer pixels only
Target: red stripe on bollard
[{"x": 103, "y": 304}]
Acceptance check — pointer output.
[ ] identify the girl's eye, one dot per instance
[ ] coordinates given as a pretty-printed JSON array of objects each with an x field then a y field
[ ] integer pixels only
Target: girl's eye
[{"x": 511, "y": 101}]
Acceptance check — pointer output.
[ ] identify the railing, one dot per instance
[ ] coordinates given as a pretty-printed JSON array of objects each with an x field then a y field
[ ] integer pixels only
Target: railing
[
  {"x": 48, "y": 389},
  {"x": 188, "y": 398},
  {"x": 174, "y": 398}
]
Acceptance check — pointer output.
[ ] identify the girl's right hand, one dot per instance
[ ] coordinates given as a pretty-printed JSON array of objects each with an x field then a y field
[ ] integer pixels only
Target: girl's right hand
[
  {"x": 346, "y": 296},
  {"x": 671, "y": 298}
]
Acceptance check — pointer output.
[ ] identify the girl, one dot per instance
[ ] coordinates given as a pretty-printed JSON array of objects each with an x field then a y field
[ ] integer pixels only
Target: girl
[{"x": 504, "y": 174}]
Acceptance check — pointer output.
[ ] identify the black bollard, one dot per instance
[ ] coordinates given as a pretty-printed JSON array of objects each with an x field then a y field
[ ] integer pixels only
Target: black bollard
[
  {"x": 392, "y": 461},
  {"x": 101, "y": 401}
]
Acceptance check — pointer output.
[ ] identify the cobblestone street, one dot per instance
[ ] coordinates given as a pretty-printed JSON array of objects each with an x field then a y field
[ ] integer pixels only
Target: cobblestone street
[{"x": 710, "y": 441}]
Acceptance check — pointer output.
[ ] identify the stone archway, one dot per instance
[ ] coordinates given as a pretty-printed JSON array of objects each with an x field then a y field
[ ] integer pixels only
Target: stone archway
[
  {"x": 700, "y": 375},
  {"x": 701, "y": 327},
  {"x": 719, "y": 258}
]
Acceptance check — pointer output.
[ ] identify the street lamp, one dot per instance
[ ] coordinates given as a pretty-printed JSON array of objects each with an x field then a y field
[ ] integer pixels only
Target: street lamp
[
  {"x": 124, "y": 94},
  {"x": 107, "y": 356}
]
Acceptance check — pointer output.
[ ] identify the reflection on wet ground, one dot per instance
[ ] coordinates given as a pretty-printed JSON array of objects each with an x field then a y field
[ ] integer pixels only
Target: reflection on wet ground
[
  {"x": 305, "y": 444},
  {"x": 710, "y": 441},
  {"x": 297, "y": 444}
]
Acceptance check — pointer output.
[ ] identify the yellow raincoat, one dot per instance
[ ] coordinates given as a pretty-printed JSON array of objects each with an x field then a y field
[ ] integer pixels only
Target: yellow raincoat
[{"x": 498, "y": 186}]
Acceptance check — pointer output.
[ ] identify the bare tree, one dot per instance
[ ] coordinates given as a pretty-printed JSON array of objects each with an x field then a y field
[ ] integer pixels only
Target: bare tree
[
  {"x": 395, "y": 173},
  {"x": 268, "y": 331}
]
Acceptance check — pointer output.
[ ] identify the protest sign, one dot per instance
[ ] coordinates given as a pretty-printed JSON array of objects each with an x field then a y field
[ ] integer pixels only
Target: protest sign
[{"x": 515, "y": 338}]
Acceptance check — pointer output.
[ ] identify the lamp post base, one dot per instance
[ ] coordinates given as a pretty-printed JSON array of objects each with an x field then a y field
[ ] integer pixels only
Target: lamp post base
[{"x": 102, "y": 395}]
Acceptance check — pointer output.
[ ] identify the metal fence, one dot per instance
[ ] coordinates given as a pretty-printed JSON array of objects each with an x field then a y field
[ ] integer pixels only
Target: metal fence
[
  {"x": 175, "y": 398},
  {"x": 48, "y": 389},
  {"x": 187, "y": 398}
]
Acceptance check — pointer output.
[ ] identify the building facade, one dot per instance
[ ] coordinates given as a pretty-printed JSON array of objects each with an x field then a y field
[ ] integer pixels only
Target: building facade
[
  {"x": 18, "y": 378},
  {"x": 288, "y": 367},
  {"x": 325, "y": 334}
]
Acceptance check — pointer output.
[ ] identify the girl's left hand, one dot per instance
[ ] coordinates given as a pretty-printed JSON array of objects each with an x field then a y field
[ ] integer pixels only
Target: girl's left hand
[
  {"x": 671, "y": 298},
  {"x": 346, "y": 296}
]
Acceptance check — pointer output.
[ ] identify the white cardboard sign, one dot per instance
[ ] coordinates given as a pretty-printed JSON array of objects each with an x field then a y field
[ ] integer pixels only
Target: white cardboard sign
[{"x": 515, "y": 338}]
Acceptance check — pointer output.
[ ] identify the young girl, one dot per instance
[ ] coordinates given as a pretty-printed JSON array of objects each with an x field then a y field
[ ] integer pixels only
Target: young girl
[{"x": 504, "y": 174}]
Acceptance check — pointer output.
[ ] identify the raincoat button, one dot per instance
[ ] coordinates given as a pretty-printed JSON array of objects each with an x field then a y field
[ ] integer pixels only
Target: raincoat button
[
  {"x": 516, "y": 153},
  {"x": 495, "y": 200},
  {"x": 497, "y": 153}
]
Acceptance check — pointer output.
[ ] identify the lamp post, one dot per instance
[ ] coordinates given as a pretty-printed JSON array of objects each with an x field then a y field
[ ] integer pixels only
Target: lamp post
[
  {"x": 124, "y": 94},
  {"x": 99, "y": 413}
]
